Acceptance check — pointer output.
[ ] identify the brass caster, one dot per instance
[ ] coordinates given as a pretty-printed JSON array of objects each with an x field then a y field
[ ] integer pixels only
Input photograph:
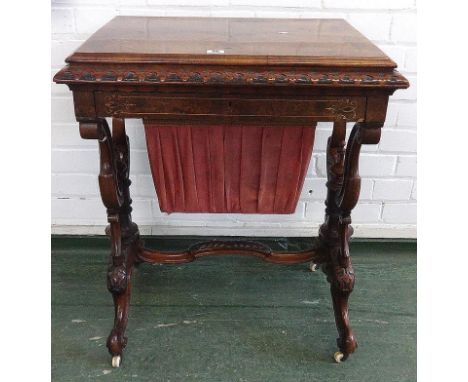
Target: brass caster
[
  {"x": 116, "y": 361},
  {"x": 338, "y": 356},
  {"x": 313, "y": 267}
]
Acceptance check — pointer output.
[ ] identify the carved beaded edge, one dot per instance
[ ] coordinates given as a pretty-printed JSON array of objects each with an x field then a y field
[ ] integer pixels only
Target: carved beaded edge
[{"x": 393, "y": 79}]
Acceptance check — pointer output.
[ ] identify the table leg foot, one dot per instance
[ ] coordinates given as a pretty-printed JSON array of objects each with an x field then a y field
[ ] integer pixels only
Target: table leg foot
[
  {"x": 313, "y": 266},
  {"x": 118, "y": 283},
  {"x": 116, "y": 361}
]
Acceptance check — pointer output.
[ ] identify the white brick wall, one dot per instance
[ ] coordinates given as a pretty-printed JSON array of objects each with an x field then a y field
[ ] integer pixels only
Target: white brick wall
[{"x": 388, "y": 196}]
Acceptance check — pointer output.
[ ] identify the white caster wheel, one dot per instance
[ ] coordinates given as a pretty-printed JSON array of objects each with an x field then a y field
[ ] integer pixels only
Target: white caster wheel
[
  {"x": 313, "y": 267},
  {"x": 338, "y": 356},
  {"x": 116, "y": 361}
]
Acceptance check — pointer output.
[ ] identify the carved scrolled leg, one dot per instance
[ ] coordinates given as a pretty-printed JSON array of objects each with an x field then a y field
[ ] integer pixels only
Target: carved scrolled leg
[
  {"x": 114, "y": 185},
  {"x": 343, "y": 187}
]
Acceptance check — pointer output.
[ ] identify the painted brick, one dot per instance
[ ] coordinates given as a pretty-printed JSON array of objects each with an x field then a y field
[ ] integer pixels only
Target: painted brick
[
  {"x": 92, "y": 2},
  {"x": 190, "y": 3},
  {"x": 281, "y": 4},
  {"x": 142, "y": 185},
  {"x": 60, "y": 50},
  {"x": 140, "y": 162},
  {"x": 229, "y": 12},
  {"x": 143, "y": 11},
  {"x": 143, "y": 210},
  {"x": 392, "y": 189},
  {"x": 67, "y": 134},
  {"x": 367, "y": 185},
  {"x": 188, "y": 12},
  {"x": 92, "y": 211},
  {"x": 130, "y": 3},
  {"x": 404, "y": 213},
  {"x": 63, "y": 110},
  {"x": 306, "y": 14},
  {"x": 366, "y": 213},
  {"x": 136, "y": 133},
  {"x": 392, "y": 115},
  {"x": 375, "y": 26},
  {"x": 410, "y": 62},
  {"x": 414, "y": 192},
  {"x": 75, "y": 184},
  {"x": 315, "y": 211},
  {"x": 321, "y": 165},
  {"x": 58, "y": 89},
  {"x": 90, "y": 20},
  {"x": 322, "y": 133},
  {"x": 314, "y": 188},
  {"x": 296, "y": 215},
  {"x": 410, "y": 93},
  {"x": 277, "y": 13},
  {"x": 75, "y": 161},
  {"x": 235, "y": 219},
  {"x": 407, "y": 114},
  {"x": 376, "y": 165},
  {"x": 311, "y": 171},
  {"x": 404, "y": 28},
  {"x": 78, "y": 211},
  {"x": 370, "y": 165},
  {"x": 398, "y": 140},
  {"x": 369, "y": 4},
  {"x": 63, "y": 20},
  {"x": 87, "y": 161},
  {"x": 406, "y": 166},
  {"x": 395, "y": 52}
]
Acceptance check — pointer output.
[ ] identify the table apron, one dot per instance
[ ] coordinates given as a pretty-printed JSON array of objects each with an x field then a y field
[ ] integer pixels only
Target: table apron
[{"x": 153, "y": 106}]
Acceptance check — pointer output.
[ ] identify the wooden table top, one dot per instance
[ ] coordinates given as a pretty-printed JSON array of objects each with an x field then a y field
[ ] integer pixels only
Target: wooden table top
[{"x": 233, "y": 41}]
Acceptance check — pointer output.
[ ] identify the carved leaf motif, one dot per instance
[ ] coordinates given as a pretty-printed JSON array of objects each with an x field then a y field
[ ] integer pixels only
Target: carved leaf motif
[
  {"x": 270, "y": 77},
  {"x": 117, "y": 279},
  {"x": 344, "y": 279}
]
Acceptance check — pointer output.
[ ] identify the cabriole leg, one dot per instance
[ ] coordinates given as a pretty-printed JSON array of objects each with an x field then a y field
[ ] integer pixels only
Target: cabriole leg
[{"x": 343, "y": 187}]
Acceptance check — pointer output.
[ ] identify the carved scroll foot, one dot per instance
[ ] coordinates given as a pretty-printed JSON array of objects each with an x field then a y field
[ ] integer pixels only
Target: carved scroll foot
[
  {"x": 335, "y": 234},
  {"x": 346, "y": 341},
  {"x": 119, "y": 284},
  {"x": 341, "y": 280},
  {"x": 117, "y": 341}
]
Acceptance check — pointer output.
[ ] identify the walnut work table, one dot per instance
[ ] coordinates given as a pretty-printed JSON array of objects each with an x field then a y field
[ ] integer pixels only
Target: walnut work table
[{"x": 229, "y": 108}]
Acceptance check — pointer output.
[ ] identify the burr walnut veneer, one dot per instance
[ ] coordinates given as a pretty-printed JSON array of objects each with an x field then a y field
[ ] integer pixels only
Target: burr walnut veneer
[{"x": 230, "y": 108}]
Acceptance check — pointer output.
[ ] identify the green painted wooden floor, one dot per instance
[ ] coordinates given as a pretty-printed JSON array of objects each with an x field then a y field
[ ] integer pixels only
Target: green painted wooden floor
[{"x": 233, "y": 318}]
